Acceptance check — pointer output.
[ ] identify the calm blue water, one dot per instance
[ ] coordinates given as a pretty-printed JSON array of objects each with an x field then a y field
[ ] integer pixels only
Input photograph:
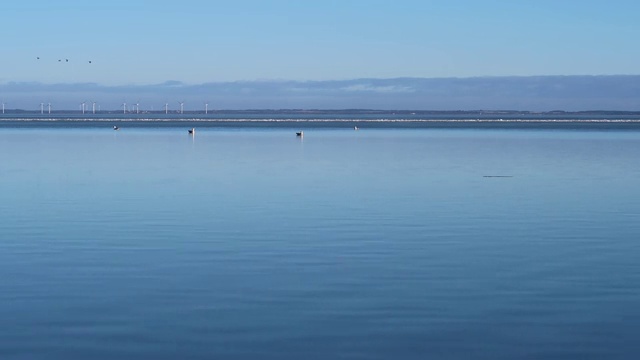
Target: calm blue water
[{"x": 250, "y": 243}]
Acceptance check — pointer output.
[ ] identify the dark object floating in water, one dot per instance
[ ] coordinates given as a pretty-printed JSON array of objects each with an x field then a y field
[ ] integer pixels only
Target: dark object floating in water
[
  {"x": 116, "y": 128},
  {"x": 67, "y": 60},
  {"x": 498, "y": 176},
  {"x": 300, "y": 133},
  {"x": 192, "y": 131},
  {"x": 89, "y": 61},
  {"x": 355, "y": 128}
]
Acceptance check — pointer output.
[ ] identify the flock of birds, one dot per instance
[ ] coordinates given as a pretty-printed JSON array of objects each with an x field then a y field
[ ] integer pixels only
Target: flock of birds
[{"x": 65, "y": 60}]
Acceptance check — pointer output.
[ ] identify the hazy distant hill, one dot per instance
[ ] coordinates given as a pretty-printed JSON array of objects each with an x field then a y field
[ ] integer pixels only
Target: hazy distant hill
[{"x": 535, "y": 93}]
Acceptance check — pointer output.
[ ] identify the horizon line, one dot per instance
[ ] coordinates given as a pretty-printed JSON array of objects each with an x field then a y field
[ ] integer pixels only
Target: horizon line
[{"x": 8, "y": 111}]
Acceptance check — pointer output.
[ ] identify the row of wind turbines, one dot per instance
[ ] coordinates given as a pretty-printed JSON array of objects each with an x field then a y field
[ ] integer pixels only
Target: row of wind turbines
[
  {"x": 85, "y": 109},
  {"x": 166, "y": 107}
]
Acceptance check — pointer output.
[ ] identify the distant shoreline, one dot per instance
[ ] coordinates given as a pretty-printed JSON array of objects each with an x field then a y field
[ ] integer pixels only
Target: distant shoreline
[
  {"x": 330, "y": 111},
  {"x": 297, "y": 124}
]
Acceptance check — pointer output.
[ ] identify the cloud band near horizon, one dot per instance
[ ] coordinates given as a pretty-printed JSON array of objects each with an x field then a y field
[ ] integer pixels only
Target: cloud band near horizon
[{"x": 533, "y": 93}]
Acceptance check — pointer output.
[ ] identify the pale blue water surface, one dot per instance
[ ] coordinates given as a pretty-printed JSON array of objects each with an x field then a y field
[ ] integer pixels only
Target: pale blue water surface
[{"x": 251, "y": 243}]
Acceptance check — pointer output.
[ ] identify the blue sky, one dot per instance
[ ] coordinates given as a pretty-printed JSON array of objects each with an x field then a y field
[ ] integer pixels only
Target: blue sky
[
  {"x": 238, "y": 54},
  {"x": 147, "y": 42}
]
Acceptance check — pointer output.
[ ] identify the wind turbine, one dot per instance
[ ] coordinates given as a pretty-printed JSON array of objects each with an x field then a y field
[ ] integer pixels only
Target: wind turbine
[
  {"x": 166, "y": 108},
  {"x": 181, "y": 107},
  {"x": 137, "y": 108},
  {"x": 93, "y": 106},
  {"x": 41, "y": 108},
  {"x": 124, "y": 107},
  {"x": 82, "y": 105},
  {"x": 3, "y": 107},
  {"x": 206, "y": 108},
  {"x": 49, "y": 104}
]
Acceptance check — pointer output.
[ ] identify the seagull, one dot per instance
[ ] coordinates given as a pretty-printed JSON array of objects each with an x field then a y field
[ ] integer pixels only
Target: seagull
[
  {"x": 116, "y": 128},
  {"x": 192, "y": 131}
]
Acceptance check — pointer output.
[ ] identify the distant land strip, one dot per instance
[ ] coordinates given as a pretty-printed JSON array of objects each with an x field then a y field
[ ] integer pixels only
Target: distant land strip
[{"x": 492, "y": 114}]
